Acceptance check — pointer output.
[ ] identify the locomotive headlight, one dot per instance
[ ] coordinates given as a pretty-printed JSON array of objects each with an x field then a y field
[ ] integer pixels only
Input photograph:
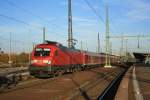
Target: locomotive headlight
[
  {"x": 33, "y": 61},
  {"x": 45, "y": 61},
  {"x": 49, "y": 62}
]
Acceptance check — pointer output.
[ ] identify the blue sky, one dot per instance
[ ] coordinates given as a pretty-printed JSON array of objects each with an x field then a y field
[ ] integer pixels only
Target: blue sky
[{"x": 130, "y": 17}]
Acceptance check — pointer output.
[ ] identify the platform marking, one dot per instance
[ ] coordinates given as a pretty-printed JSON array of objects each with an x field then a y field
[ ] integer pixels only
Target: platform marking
[{"x": 137, "y": 94}]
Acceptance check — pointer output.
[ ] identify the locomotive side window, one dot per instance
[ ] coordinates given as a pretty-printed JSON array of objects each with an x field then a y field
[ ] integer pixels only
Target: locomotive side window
[{"x": 42, "y": 52}]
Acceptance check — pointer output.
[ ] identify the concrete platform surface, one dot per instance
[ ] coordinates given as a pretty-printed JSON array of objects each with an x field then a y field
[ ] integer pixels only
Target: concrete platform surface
[{"x": 135, "y": 84}]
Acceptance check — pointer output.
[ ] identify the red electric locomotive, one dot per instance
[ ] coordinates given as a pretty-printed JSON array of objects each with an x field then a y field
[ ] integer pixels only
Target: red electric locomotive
[{"x": 52, "y": 58}]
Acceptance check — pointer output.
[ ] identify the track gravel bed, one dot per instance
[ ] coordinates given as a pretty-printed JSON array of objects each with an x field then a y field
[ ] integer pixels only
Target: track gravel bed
[{"x": 77, "y": 86}]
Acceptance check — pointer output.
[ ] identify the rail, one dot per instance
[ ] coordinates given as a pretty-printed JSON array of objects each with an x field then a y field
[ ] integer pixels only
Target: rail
[
  {"x": 109, "y": 92},
  {"x": 89, "y": 86},
  {"x": 10, "y": 77}
]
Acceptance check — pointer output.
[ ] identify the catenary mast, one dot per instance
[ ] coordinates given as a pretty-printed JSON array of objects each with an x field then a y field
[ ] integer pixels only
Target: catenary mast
[{"x": 70, "y": 34}]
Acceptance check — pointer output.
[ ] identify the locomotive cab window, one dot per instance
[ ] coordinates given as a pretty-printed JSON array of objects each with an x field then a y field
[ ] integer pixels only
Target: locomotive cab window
[
  {"x": 46, "y": 52},
  {"x": 38, "y": 52},
  {"x": 42, "y": 52}
]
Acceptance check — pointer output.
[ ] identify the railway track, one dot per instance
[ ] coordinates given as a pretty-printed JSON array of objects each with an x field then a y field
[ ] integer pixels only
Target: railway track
[
  {"x": 27, "y": 84},
  {"x": 69, "y": 86},
  {"x": 89, "y": 86},
  {"x": 10, "y": 77},
  {"x": 107, "y": 91},
  {"x": 110, "y": 91}
]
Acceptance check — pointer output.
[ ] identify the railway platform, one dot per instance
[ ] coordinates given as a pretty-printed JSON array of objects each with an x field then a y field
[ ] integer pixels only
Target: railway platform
[{"x": 135, "y": 84}]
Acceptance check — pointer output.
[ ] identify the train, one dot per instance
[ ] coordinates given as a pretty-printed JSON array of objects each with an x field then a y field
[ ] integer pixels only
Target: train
[{"x": 52, "y": 58}]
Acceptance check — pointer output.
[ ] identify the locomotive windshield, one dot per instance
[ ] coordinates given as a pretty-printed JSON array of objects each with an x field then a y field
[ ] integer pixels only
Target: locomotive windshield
[{"x": 42, "y": 52}]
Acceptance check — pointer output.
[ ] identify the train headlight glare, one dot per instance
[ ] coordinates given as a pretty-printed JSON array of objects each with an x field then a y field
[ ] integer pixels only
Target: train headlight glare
[
  {"x": 34, "y": 61},
  {"x": 49, "y": 62},
  {"x": 45, "y": 61}
]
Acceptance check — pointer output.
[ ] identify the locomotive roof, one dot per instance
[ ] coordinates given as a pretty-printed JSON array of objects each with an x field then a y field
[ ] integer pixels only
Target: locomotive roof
[
  {"x": 51, "y": 42},
  {"x": 46, "y": 42},
  {"x": 72, "y": 49},
  {"x": 58, "y": 45}
]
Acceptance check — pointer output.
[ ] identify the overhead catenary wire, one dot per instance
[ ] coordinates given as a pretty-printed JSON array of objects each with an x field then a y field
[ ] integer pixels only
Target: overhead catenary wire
[
  {"x": 110, "y": 19},
  {"x": 29, "y": 12},
  {"x": 19, "y": 21},
  {"x": 23, "y": 22},
  {"x": 40, "y": 17},
  {"x": 94, "y": 11}
]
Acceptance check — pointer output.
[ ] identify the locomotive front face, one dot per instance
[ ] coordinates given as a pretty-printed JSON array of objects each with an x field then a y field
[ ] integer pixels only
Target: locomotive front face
[
  {"x": 41, "y": 63},
  {"x": 41, "y": 56}
]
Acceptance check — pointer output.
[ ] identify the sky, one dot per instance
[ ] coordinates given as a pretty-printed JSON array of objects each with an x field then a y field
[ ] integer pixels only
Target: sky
[{"x": 24, "y": 19}]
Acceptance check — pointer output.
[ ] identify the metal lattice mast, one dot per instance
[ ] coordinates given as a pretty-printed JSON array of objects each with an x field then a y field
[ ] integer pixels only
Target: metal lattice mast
[
  {"x": 98, "y": 49},
  {"x": 81, "y": 46},
  {"x": 70, "y": 35},
  {"x": 126, "y": 53},
  {"x": 107, "y": 60},
  {"x": 110, "y": 53},
  {"x": 10, "y": 49},
  {"x": 138, "y": 41},
  {"x": 122, "y": 43},
  {"x": 106, "y": 42},
  {"x": 43, "y": 34}
]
